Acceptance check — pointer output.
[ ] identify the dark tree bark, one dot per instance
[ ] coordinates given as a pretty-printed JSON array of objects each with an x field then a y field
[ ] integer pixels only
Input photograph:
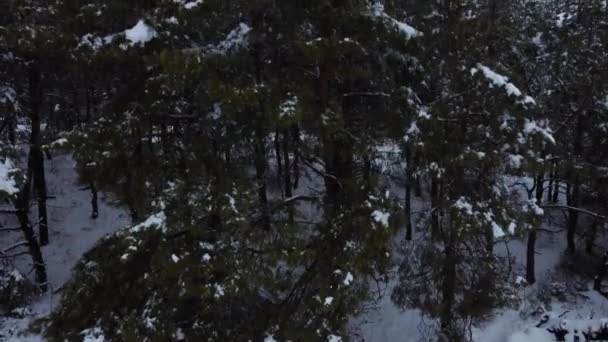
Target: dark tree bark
[
  {"x": 601, "y": 274},
  {"x": 127, "y": 189},
  {"x": 556, "y": 183},
  {"x": 408, "y": 194},
  {"x": 435, "y": 195},
  {"x": 287, "y": 172},
  {"x": 531, "y": 248},
  {"x": 530, "y": 257},
  {"x": 550, "y": 187},
  {"x": 287, "y": 164},
  {"x": 260, "y": 136},
  {"x": 573, "y": 219},
  {"x": 574, "y": 194},
  {"x": 22, "y": 205},
  {"x": 296, "y": 156},
  {"x": 591, "y": 237},
  {"x": 94, "y": 201},
  {"x": 448, "y": 290},
  {"x": 36, "y": 154},
  {"x": 12, "y": 125},
  {"x": 277, "y": 152},
  {"x": 260, "y": 171}
]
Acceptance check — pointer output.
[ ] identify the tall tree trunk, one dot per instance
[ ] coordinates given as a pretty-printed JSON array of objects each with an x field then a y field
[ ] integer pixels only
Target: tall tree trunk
[
  {"x": 531, "y": 248},
  {"x": 573, "y": 218},
  {"x": 87, "y": 97},
  {"x": 296, "y": 155},
  {"x": 40, "y": 185},
  {"x": 260, "y": 136},
  {"x": 12, "y": 126},
  {"x": 408, "y": 193},
  {"x": 435, "y": 211},
  {"x": 287, "y": 172},
  {"x": 530, "y": 257},
  {"x": 574, "y": 181},
  {"x": 550, "y": 187},
  {"x": 127, "y": 189},
  {"x": 277, "y": 152},
  {"x": 287, "y": 164},
  {"x": 448, "y": 290},
  {"x": 601, "y": 274},
  {"x": 591, "y": 237},
  {"x": 94, "y": 201},
  {"x": 556, "y": 183},
  {"x": 37, "y": 157},
  {"x": 22, "y": 205},
  {"x": 260, "y": 171}
]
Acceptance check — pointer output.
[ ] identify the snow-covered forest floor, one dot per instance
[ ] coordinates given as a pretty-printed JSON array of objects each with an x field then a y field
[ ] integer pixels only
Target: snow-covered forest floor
[
  {"x": 72, "y": 232},
  {"x": 386, "y": 322},
  {"x": 556, "y": 290}
]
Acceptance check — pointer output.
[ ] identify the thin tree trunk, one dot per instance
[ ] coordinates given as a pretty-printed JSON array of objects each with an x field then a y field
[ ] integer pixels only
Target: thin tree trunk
[
  {"x": 36, "y": 155},
  {"x": 259, "y": 143},
  {"x": 127, "y": 191},
  {"x": 260, "y": 170},
  {"x": 448, "y": 294},
  {"x": 531, "y": 248},
  {"x": 22, "y": 205},
  {"x": 287, "y": 172},
  {"x": 435, "y": 208},
  {"x": 408, "y": 194},
  {"x": 530, "y": 257},
  {"x": 591, "y": 237},
  {"x": 601, "y": 274},
  {"x": 573, "y": 219},
  {"x": 11, "y": 128},
  {"x": 94, "y": 201},
  {"x": 87, "y": 97},
  {"x": 40, "y": 184},
  {"x": 573, "y": 179},
  {"x": 550, "y": 189},
  {"x": 556, "y": 183},
  {"x": 296, "y": 156},
  {"x": 286, "y": 163},
  {"x": 277, "y": 152}
]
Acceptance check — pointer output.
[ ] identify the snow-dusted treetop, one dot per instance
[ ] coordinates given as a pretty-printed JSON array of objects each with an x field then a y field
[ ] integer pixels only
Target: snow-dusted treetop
[
  {"x": 377, "y": 10},
  {"x": 235, "y": 40},
  {"x": 140, "y": 33},
  {"x": 189, "y": 4},
  {"x": 532, "y": 126},
  {"x": 500, "y": 81},
  {"x": 154, "y": 221},
  {"x": 95, "y": 42}
]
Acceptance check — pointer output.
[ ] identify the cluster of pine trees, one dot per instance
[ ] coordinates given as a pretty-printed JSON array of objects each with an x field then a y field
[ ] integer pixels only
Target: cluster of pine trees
[{"x": 249, "y": 140}]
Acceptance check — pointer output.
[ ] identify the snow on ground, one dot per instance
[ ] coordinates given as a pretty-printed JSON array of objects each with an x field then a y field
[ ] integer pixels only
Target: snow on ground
[
  {"x": 7, "y": 182},
  {"x": 385, "y": 322},
  {"x": 72, "y": 232}
]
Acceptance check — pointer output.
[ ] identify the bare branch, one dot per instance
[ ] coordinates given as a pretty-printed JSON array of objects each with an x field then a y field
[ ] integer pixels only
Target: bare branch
[
  {"x": 16, "y": 245},
  {"x": 567, "y": 207}
]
